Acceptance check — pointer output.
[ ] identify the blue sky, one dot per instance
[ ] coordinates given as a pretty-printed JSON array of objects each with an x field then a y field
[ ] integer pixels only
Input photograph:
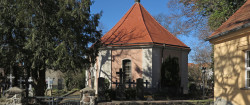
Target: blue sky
[{"x": 113, "y": 11}]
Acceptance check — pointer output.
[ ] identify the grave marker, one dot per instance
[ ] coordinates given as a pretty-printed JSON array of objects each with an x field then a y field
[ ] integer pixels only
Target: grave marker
[
  {"x": 121, "y": 74},
  {"x": 120, "y": 91},
  {"x": 49, "y": 83},
  {"x": 21, "y": 80},
  {"x": 30, "y": 80},
  {"x": 11, "y": 80},
  {"x": 139, "y": 88}
]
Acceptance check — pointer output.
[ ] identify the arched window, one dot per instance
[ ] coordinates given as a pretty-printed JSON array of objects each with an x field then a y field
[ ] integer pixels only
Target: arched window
[{"x": 126, "y": 65}]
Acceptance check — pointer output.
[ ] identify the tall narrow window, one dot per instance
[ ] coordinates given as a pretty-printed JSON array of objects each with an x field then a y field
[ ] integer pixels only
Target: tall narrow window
[
  {"x": 248, "y": 69},
  {"x": 126, "y": 64}
]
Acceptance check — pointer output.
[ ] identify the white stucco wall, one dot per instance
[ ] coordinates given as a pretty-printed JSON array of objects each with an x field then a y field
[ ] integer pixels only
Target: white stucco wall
[
  {"x": 102, "y": 68},
  {"x": 104, "y": 61},
  {"x": 147, "y": 65}
]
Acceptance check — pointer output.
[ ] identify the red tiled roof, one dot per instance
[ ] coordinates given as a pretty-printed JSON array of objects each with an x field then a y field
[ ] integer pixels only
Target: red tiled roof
[
  {"x": 240, "y": 18},
  {"x": 191, "y": 64},
  {"x": 138, "y": 27}
]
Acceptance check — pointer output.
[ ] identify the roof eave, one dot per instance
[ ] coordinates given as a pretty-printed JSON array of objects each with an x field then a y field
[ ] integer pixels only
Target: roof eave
[
  {"x": 229, "y": 31},
  {"x": 148, "y": 43}
]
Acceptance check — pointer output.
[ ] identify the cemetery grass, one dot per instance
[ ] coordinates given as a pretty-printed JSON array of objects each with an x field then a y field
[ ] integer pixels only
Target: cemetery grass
[
  {"x": 63, "y": 92},
  {"x": 57, "y": 92}
]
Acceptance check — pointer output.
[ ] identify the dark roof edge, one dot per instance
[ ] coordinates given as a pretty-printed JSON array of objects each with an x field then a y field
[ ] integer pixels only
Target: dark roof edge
[
  {"x": 226, "y": 32},
  {"x": 150, "y": 43}
]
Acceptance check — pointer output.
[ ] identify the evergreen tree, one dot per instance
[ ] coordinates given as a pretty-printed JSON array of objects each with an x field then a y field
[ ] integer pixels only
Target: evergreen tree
[
  {"x": 170, "y": 73},
  {"x": 42, "y": 34}
]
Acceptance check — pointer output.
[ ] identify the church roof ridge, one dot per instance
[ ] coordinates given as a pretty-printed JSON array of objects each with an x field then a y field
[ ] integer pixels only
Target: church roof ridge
[{"x": 145, "y": 24}]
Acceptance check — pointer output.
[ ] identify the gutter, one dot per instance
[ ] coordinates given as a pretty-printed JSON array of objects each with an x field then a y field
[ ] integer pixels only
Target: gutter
[
  {"x": 226, "y": 32},
  {"x": 147, "y": 43}
]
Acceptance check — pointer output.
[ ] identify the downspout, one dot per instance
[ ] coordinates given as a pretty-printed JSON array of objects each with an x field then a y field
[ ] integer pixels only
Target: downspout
[
  {"x": 111, "y": 68},
  {"x": 162, "y": 59}
]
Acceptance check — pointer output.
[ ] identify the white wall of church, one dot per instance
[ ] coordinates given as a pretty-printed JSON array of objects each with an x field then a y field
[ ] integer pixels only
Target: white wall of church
[
  {"x": 147, "y": 65},
  {"x": 157, "y": 55},
  {"x": 104, "y": 61}
]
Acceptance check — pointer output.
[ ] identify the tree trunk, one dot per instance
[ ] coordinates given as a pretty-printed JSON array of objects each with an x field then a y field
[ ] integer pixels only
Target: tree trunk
[{"x": 40, "y": 85}]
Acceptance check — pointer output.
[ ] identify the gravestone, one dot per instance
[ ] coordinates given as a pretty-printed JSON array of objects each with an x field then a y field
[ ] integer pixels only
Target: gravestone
[
  {"x": 101, "y": 89},
  {"x": 60, "y": 84},
  {"x": 11, "y": 80},
  {"x": 49, "y": 83},
  {"x": 139, "y": 88},
  {"x": 21, "y": 80},
  {"x": 31, "y": 93},
  {"x": 120, "y": 91}
]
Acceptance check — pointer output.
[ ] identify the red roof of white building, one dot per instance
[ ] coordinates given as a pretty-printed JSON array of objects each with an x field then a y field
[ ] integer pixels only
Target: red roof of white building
[{"x": 138, "y": 27}]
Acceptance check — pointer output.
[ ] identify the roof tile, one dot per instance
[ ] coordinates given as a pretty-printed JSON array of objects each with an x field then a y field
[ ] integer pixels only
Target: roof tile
[
  {"x": 238, "y": 19},
  {"x": 138, "y": 26}
]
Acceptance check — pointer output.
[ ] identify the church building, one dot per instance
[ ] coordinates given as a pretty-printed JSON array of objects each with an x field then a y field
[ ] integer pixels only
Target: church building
[{"x": 138, "y": 44}]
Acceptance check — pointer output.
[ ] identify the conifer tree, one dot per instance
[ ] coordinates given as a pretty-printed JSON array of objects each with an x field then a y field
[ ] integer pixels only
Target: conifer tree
[{"x": 47, "y": 34}]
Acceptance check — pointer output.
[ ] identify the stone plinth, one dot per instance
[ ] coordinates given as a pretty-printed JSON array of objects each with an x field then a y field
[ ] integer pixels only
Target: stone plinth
[
  {"x": 87, "y": 96},
  {"x": 15, "y": 95},
  {"x": 48, "y": 92}
]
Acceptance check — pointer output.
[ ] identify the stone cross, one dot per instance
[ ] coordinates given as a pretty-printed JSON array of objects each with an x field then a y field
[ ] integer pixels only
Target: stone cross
[
  {"x": 11, "y": 80},
  {"x": 30, "y": 80},
  {"x": 120, "y": 91},
  {"x": 21, "y": 80},
  {"x": 121, "y": 73},
  {"x": 49, "y": 81}
]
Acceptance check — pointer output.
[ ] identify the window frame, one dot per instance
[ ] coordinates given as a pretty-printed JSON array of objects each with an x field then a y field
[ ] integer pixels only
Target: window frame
[
  {"x": 130, "y": 74},
  {"x": 247, "y": 61}
]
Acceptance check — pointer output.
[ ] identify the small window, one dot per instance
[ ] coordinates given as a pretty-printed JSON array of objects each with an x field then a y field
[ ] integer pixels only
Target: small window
[
  {"x": 248, "y": 59},
  {"x": 247, "y": 69},
  {"x": 126, "y": 64}
]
